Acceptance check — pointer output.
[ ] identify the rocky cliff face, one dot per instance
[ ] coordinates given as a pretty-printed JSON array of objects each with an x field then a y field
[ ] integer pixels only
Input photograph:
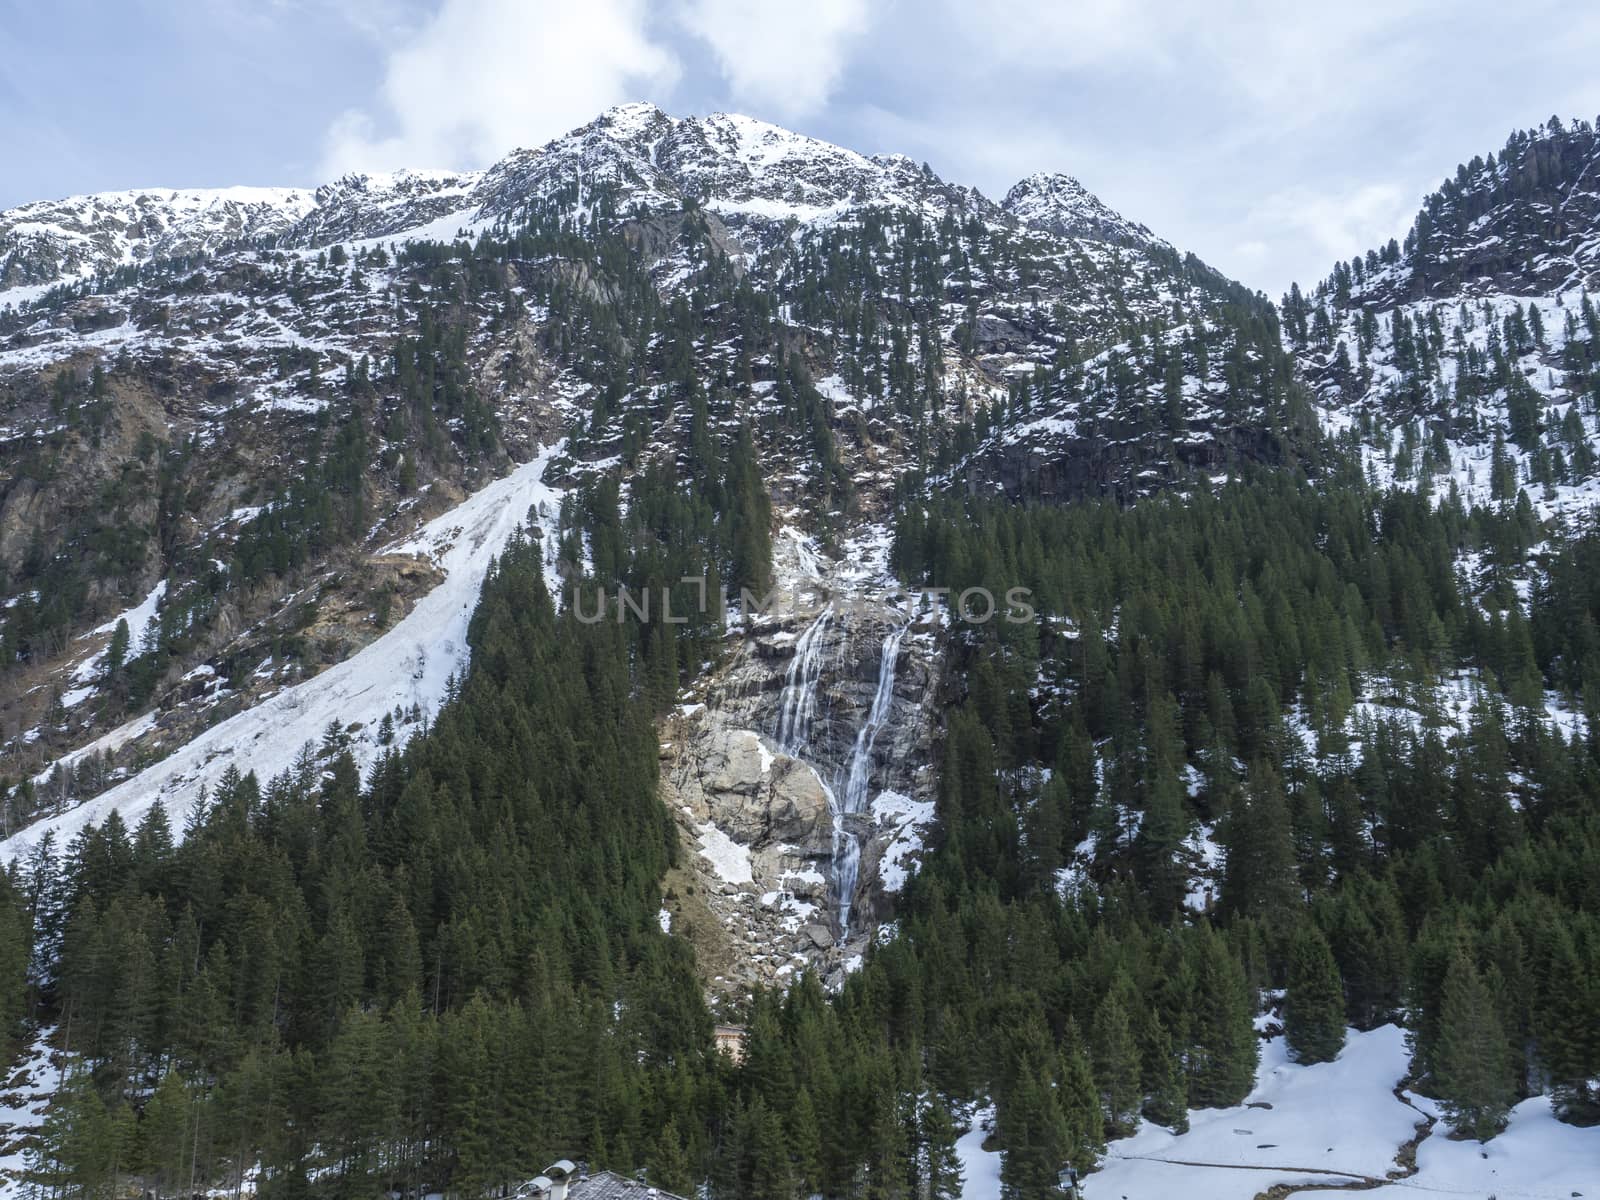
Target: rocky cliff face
[
  {"x": 1525, "y": 222},
  {"x": 801, "y": 768}
]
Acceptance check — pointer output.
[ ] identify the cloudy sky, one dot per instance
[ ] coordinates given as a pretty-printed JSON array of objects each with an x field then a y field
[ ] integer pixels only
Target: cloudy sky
[{"x": 1269, "y": 138}]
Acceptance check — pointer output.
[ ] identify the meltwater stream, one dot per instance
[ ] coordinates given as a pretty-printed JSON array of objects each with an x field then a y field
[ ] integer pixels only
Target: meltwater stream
[
  {"x": 799, "y": 702},
  {"x": 797, "y": 709},
  {"x": 853, "y": 797}
]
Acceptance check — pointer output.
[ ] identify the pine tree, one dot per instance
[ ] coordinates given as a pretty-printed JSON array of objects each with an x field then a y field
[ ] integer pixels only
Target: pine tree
[
  {"x": 1080, "y": 1103},
  {"x": 805, "y": 1139},
  {"x": 668, "y": 1164},
  {"x": 1568, "y": 1034},
  {"x": 1259, "y": 876},
  {"x": 942, "y": 1177},
  {"x": 117, "y": 652},
  {"x": 1471, "y": 1067},
  {"x": 1223, "y": 1051},
  {"x": 80, "y": 1143},
  {"x": 1034, "y": 1138},
  {"x": 1158, "y": 844},
  {"x": 1166, "y": 1096},
  {"x": 1116, "y": 1068},
  {"x": 1314, "y": 1007}
]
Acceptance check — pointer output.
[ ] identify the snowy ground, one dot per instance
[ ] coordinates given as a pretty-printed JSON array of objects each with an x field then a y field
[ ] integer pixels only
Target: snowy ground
[
  {"x": 1536, "y": 1158},
  {"x": 1325, "y": 1122},
  {"x": 911, "y": 820},
  {"x": 980, "y": 1168},
  {"x": 24, "y": 1097},
  {"x": 1336, "y": 1126},
  {"x": 410, "y": 664}
]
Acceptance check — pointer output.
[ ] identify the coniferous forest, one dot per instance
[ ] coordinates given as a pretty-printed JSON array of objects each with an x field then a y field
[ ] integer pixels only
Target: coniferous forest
[
  {"x": 356, "y": 981},
  {"x": 1371, "y": 694}
]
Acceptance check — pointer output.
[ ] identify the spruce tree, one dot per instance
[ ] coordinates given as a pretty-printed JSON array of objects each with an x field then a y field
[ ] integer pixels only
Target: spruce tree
[
  {"x": 805, "y": 1140},
  {"x": 1471, "y": 1066},
  {"x": 1259, "y": 876},
  {"x": 1080, "y": 1103},
  {"x": 1223, "y": 1051},
  {"x": 1313, "y": 1016},
  {"x": 1166, "y": 1098},
  {"x": 117, "y": 651},
  {"x": 942, "y": 1177},
  {"x": 669, "y": 1166},
  {"x": 1034, "y": 1137},
  {"x": 1116, "y": 1068},
  {"x": 1567, "y": 1030}
]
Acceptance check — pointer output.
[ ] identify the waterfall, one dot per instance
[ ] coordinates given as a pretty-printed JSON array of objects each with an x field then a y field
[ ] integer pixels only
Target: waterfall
[
  {"x": 853, "y": 799},
  {"x": 855, "y": 789},
  {"x": 796, "y": 711},
  {"x": 799, "y": 702}
]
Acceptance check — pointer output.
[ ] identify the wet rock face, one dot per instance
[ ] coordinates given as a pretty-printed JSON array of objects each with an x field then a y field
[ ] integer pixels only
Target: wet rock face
[
  {"x": 750, "y": 689},
  {"x": 758, "y": 775},
  {"x": 757, "y": 797}
]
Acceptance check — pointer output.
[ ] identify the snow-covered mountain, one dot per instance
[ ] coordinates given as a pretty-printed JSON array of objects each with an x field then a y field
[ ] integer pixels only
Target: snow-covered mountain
[
  {"x": 259, "y": 450},
  {"x": 754, "y": 176},
  {"x": 261, "y": 326},
  {"x": 51, "y": 240},
  {"x": 1044, "y": 346}
]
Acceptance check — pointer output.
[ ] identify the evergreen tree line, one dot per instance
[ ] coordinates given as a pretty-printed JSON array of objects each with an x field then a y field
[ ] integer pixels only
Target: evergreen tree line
[{"x": 1377, "y": 868}]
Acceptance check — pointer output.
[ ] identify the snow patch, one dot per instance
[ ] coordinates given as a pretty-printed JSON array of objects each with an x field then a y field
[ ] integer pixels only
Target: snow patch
[{"x": 409, "y": 665}]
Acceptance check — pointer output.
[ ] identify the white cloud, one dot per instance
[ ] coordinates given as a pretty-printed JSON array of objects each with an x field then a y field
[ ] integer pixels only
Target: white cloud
[
  {"x": 483, "y": 77},
  {"x": 780, "y": 57},
  {"x": 1316, "y": 226},
  {"x": 1014, "y": 35}
]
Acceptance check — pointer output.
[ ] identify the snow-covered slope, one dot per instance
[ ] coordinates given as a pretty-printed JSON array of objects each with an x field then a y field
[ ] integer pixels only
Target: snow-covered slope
[
  {"x": 1467, "y": 356},
  {"x": 1536, "y": 1158},
  {"x": 399, "y": 203},
  {"x": 1329, "y": 1128},
  {"x": 749, "y": 172},
  {"x": 56, "y": 241},
  {"x": 1462, "y": 394},
  {"x": 1527, "y": 222},
  {"x": 51, "y": 240},
  {"x": 410, "y": 665},
  {"x": 1280, "y": 1134}
]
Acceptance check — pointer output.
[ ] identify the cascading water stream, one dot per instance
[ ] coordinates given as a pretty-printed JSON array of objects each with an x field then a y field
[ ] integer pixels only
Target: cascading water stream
[
  {"x": 852, "y": 798},
  {"x": 799, "y": 702},
  {"x": 796, "y": 712}
]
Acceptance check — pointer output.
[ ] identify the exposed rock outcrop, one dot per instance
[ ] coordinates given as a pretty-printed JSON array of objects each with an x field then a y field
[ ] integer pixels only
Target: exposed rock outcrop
[{"x": 759, "y": 792}]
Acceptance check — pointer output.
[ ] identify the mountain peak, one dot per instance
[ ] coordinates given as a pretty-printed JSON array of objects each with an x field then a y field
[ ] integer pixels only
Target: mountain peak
[
  {"x": 629, "y": 122},
  {"x": 1059, "y": 204}
]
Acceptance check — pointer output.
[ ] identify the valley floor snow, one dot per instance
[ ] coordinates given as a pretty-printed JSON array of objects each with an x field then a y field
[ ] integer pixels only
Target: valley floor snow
[
  {"x": 1338, "y": 1117},
  {"x": 980, "y": 1168},
  {"x": 409, "y": 664},
  {"x": 1335, "y": 1126},
  {"x": 1536, "y": 1158}
]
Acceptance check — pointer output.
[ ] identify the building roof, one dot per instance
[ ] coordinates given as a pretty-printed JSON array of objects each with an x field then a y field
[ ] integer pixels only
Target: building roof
[{"x": 608, "y": 1185}]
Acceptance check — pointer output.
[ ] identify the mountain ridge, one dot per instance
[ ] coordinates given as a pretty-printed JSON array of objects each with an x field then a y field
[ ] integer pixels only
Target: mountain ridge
[{"x": 755, "y": 175}]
